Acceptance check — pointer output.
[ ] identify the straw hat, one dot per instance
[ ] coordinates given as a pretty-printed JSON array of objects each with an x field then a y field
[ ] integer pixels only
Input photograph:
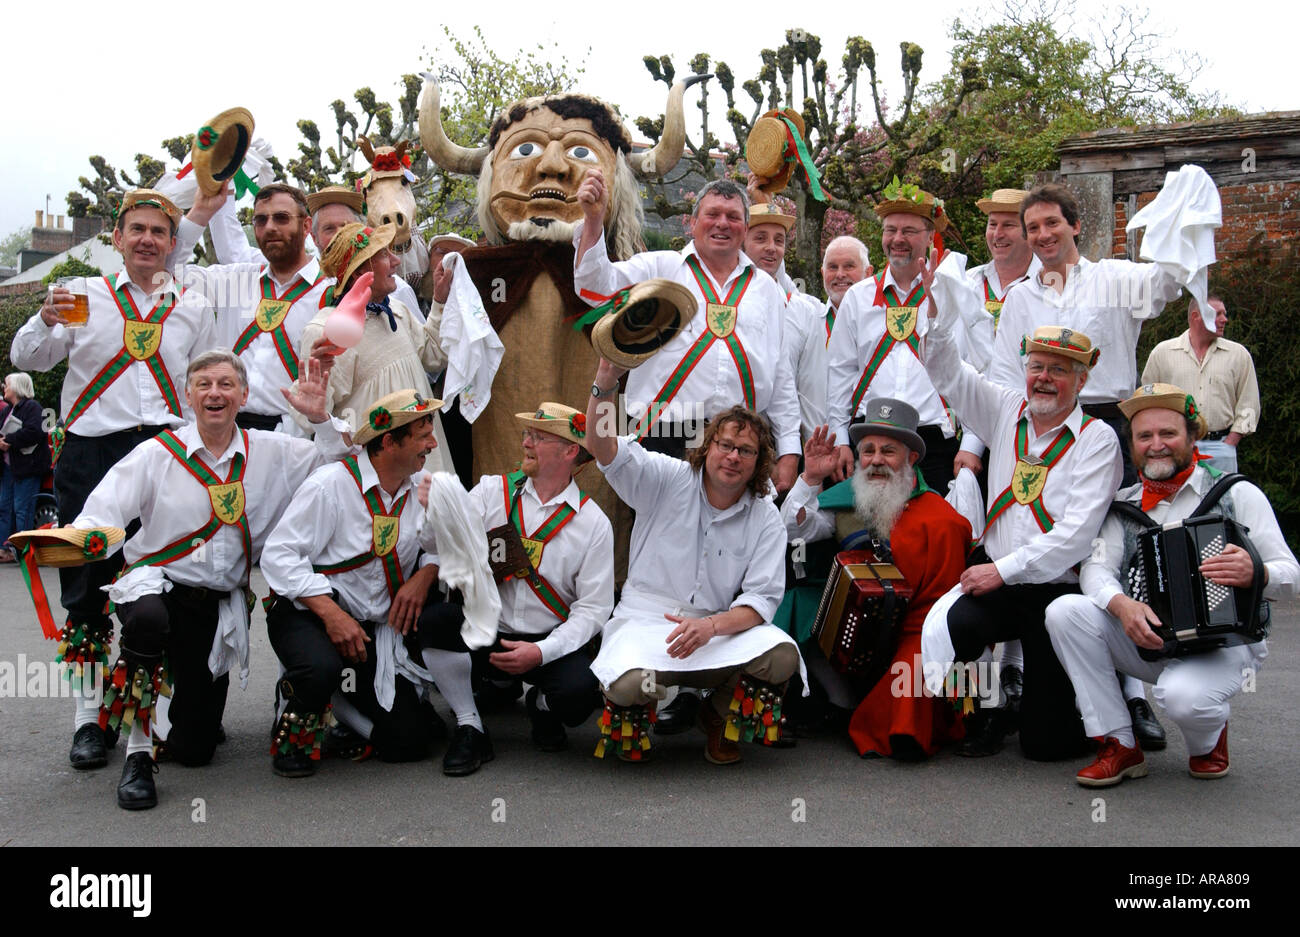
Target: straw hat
[
  {"x": 219, "y": 148},
  {"x": 910, "y": 199},
  {"x": 334, "y": 195},
  {"x": 1002, "y": 200},
  {"x": 770, "y": 148},
  {"x": 558, "y": 420},
  {"x": 150, "y": 198},
  {"x": 769, "y": 214},
  {"x": 889, "y": 417},
  {"x": 641, "y": 320},
  {"x": 394, "y": 410},
  {"x": 1168, "y": 397},
  {"x": 453, "y": 238},
  {"x": 69, "y": 546},
  {"x": 1058, "y": 340},
  {"x": 352, "y": 246}
]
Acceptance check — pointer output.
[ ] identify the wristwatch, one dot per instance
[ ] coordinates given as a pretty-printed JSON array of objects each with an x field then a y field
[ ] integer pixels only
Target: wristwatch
[{"x": 598, "y": 393}]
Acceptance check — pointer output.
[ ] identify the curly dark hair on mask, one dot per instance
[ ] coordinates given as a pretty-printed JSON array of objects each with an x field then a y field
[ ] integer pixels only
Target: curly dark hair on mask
[{"x": 741, "y": 418}]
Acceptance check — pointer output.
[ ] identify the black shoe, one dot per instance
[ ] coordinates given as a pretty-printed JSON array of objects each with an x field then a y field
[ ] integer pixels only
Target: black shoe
[
  {"x": 906, "y": 748},
  {"x": 985, "y": 731},
  {"x": 1012, "y": 679},
  {"x": 293, "y": 764},
  {"x": 88, "y": 748},
  {"x": 342, "y": 742},
  {"x": 470, "y": 749},
  {"x": 490, "y": 698},
  {"x": 221, "y": 734},
  {"x": 1150, "y": 733},
  {"x": 136, "y": 790},
  {"x": 678, "y": 716},
  {"x": 110, "y": 736},
  {"x": 548, "y": 730}
]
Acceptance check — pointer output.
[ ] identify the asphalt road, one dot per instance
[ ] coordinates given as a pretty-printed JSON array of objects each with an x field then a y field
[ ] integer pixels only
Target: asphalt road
[{"x": 819, "y": 793}]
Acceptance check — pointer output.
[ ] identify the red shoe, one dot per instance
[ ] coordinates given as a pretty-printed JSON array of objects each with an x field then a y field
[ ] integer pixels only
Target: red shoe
[
  {"x": 1214, "y": 763},
  {"x": 1114, "y": 763}
]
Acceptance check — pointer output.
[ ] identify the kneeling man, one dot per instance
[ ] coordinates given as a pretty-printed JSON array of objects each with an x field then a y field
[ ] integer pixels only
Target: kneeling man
[
  {"x": 705, "y": 572},
  {"x": 921, "y": 534},
  {"x": 1101, "y": 631}
]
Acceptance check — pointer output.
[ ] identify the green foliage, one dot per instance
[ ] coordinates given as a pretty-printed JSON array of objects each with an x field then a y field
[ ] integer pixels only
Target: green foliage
[
  {"x": 72, "y": 267},
  {"x": 1262, "y": 295},
  {"x": 12, "y": 244},
  {"x": 15, "y": 310}
]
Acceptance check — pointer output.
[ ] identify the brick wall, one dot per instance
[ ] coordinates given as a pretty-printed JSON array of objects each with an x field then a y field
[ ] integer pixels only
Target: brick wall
[{"x": 1267, "y": 209}]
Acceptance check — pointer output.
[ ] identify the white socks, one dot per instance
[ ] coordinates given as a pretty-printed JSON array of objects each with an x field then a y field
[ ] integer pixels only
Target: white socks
[{"x": 451, "y": 670}]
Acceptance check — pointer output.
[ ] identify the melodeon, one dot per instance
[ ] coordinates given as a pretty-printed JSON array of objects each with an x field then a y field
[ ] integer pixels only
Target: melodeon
[
  {"x": 861, "y": 612},
  {"x": 1196, "y": 615}
]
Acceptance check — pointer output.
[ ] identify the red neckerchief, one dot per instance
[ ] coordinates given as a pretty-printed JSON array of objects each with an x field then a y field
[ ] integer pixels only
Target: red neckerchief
[{"x": 1154, "y": 492}]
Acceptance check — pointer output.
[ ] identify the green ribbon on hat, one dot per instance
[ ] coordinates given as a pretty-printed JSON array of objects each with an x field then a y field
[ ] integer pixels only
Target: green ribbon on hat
[
  {"x": 805, "y": 160},
  {"x": 599, "y": 312},
  {"x": 244, "y": 184}
]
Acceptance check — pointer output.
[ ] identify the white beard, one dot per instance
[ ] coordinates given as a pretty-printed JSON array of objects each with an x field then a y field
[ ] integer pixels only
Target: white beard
[
  {"x": 879, "y": 505},
  {"x": 531, "y": 231}
]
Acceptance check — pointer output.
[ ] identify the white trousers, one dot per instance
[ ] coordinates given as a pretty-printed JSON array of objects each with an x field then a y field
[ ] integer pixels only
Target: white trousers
[
  {"x": 1221, "y": 456},
  {"x": 1193, "y": 691}
]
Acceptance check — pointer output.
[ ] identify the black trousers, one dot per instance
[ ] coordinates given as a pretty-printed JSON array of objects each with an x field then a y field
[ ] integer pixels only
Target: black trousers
[
  {"x": 84, "y": 462},
  {"x": 1050, "y": 727},
  {"x": 180, "y": 624},
  {"x": 1109, "y": 413},
  {"x": 572, "y": 691},
  {"x": 314, "y": 670},
  {"x": 936, "y": 467},
  {"x": 246, "y": 419}
]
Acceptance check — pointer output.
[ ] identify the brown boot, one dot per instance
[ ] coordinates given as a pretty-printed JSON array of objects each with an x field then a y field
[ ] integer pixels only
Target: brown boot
[{"x": 718, "y": 749}]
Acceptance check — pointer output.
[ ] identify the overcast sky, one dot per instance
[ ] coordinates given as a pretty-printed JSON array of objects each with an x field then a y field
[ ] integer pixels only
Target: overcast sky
[{"x": 82, "y": 81}]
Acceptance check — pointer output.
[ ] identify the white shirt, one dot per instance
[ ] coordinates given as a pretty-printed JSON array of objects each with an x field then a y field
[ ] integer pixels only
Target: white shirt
[
  {"x": 685, "y": 550},
  {"x": 805, "y": 342},
  {"x": 235, "y": 290},
  {"x": 151, "y": 484},
  {"x": 134, "y": 398},
  {"x": 578, "y": 562},
  {"x": 328, "y": 522},
  {"x": 714, "y": 384},
  {"x": 1079, "y": 487},
  {"x": 859, "y": 326},
  {"x": 989, "y": 271},
  {"x": 1100, "y": 576},
  {"x": 1107, "y": 301}
]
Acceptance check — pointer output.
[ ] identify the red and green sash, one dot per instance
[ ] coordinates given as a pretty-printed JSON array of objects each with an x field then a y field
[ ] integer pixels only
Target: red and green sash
[
  {"x": 1029, "y": 479},
  {"x": 993, "y": 303},
  {"x": 141, "y": 341},
  {"x": 385, "y": 530},
  {"x": 830, "y": 324},
  {"x": 269, "y": 319},
  {"x": 720, "y": 320},
  {"x": 512, "y": 487},
  {"x": 227, "y": 501}
]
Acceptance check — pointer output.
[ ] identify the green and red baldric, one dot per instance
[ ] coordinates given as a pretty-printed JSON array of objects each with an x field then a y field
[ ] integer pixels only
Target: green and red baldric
[
  {"x": 147, "y": 341},
  {"x": 384, "y": 550},
  {"x": 1025, "y": 476},
  {"x": 512, "y": 487},
  {"x": 269, "y": 319}
]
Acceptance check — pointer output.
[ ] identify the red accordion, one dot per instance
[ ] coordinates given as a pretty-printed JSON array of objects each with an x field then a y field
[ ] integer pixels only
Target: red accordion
[{"x": 861, "y": 613}]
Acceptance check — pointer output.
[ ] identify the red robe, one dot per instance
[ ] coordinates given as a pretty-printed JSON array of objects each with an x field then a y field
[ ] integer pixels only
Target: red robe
[{"x": 929, "y": 542}]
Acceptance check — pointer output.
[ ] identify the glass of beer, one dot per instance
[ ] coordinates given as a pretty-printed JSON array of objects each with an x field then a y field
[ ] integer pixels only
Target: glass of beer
[{"x": 79, "y": 314}]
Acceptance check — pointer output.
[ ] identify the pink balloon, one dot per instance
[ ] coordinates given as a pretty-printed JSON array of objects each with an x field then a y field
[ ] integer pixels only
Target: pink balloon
[{"x": 343, "y": 329}]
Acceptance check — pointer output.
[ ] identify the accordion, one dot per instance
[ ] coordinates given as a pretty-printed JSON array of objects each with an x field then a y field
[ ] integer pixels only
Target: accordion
[
  {"x": 861, "y": 612},
  {"x": 1196, "y": 615}
]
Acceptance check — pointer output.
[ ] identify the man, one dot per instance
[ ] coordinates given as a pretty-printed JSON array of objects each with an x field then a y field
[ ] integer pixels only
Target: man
[
  {"x": 1054, "y": 470},
  {"x": 1108, "y": 300},
  {"x": 342, "y": 565},
  {"x": 549, "y": 614},
  {"x": 118, "y": 392},
  {"x": 1221, "y": 376},
  {"x": 1103, "y": 629},
  {"x": 397, "y": 348},
  {"x": 705, "y": 573},
  {"x": 262, "y": 305},
  {"x": 206, "y": 495},
  {"x": 731, "y": 353},
  {"x": 875, "y": 348},
  {"x": 926, "y": 540}
]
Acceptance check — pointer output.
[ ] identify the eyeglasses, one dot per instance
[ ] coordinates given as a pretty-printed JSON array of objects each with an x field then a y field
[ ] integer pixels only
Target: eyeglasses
[
  {"x": 280, "y": 218},
  {"x": 727, "y": 448},
  {"x": 535, "y": 436},
  {"x": 1055, "y": 371},
  {"x": 905, "y": 232}
]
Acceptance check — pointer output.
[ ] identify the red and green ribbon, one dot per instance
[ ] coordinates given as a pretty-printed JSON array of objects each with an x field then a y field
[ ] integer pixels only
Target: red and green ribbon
[
  {"x": 613, "y": 303},
  {"x": 283, "y": 346},
  {"x": 803, "y": 158},
  {"x": 545, "y": 532},
  {"x": 123, "y": 360},
  {"x": 393, "y": 575},
  {"x": 696, "y": 352},
  {"x": 1059, "y": 446},
  {"x": 886, "y": 296}
]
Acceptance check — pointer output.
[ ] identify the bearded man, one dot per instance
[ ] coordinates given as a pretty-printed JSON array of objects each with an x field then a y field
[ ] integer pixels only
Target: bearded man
[
  {"x": 1102, "y": 630},
  {"x": 927, "y": 541}
]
